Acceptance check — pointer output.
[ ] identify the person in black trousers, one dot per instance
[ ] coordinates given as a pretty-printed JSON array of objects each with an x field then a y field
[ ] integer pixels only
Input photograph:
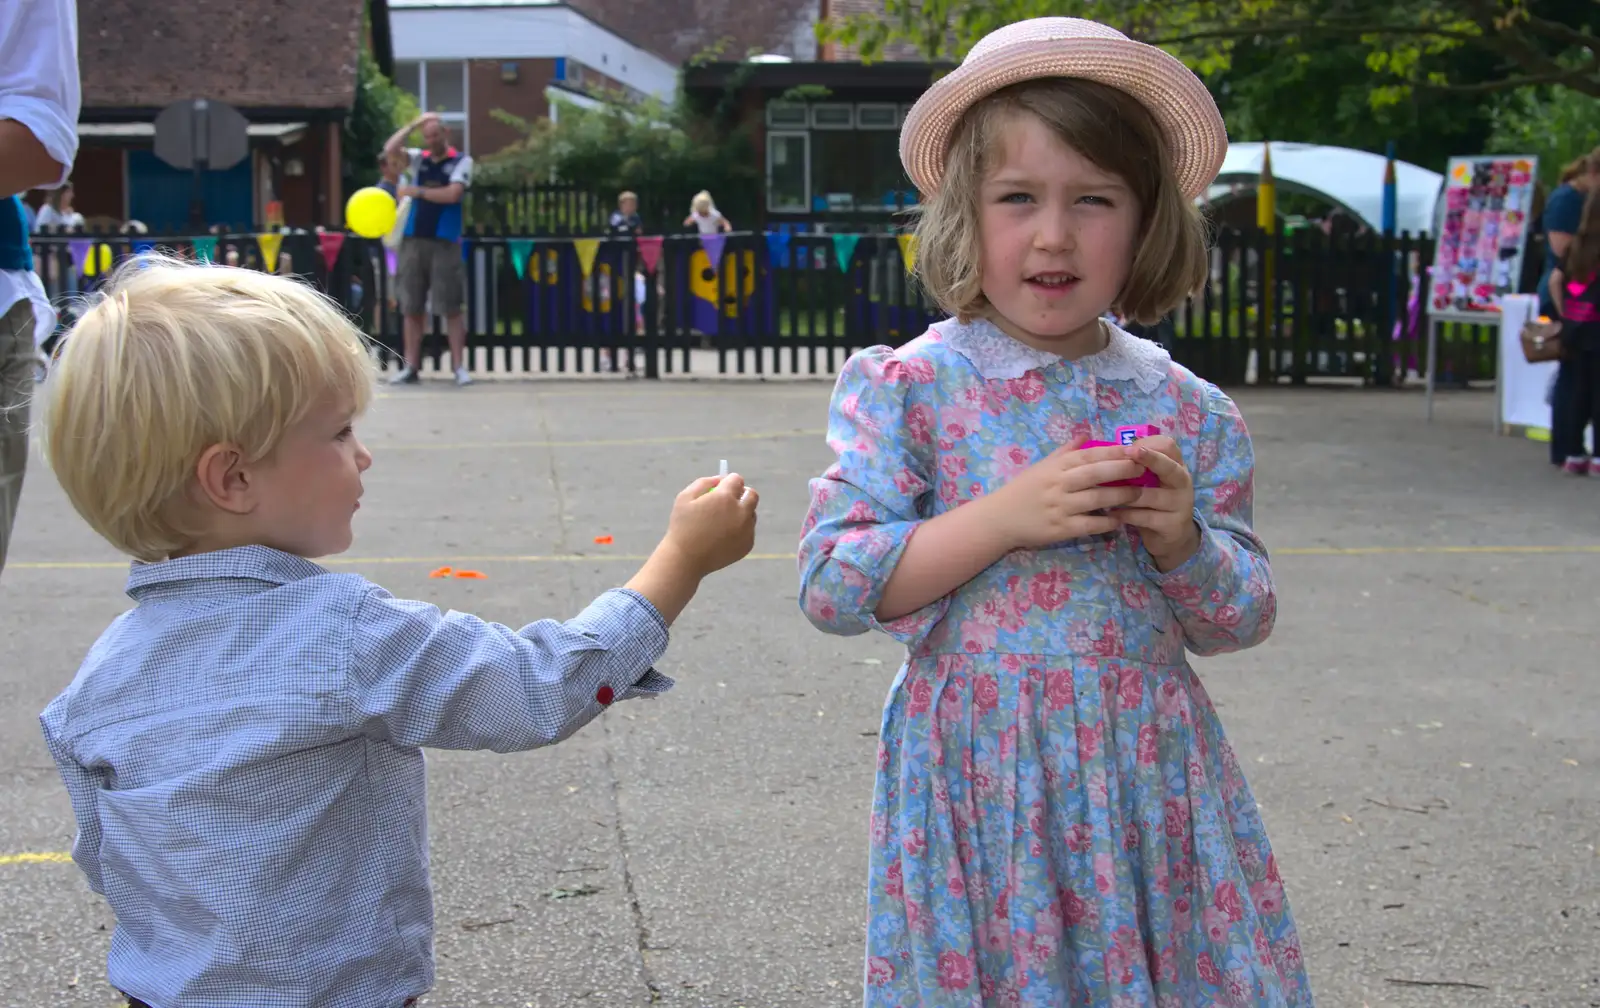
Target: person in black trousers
[{"x": 1575, "y": 291}]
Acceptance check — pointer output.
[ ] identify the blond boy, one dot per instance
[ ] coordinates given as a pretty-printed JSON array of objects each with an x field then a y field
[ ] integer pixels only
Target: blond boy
[{"x": 243, "y": 748}]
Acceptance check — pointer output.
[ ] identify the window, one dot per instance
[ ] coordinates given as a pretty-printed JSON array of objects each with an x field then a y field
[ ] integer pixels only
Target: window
[
  {"x": 781, "y": 114},
  {"x": 788, "y": 171},
  {"x": 877, "y": 116},
  {"x": 835, "y": 157},
  {"x": 835, "y": 117},
  {"x": 439, "y": 86}
]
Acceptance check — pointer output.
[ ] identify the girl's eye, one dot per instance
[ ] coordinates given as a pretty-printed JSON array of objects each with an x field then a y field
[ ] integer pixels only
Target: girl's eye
[
  {"x": 345, "y": 434},
  {"x": 1096, "y": 201},
  {"x": 1016, "y": 197}
]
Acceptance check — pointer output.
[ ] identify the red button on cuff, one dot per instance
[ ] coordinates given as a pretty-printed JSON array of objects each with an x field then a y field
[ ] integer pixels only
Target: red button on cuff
[{"x": 605, "y": 695}]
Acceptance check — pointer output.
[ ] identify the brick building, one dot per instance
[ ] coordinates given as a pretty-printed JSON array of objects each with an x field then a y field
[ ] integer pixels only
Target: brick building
[
  {"x": 288, "y": 65},
  {"x": 464, "y": 59}
]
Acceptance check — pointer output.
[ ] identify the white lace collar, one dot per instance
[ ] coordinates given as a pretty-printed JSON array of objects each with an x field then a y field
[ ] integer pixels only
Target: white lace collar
[{"x": 998, "y": 357}]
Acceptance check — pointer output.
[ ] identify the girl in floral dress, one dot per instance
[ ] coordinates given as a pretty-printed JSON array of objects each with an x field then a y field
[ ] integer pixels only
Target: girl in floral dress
[{"x": 1058, "y": 819}]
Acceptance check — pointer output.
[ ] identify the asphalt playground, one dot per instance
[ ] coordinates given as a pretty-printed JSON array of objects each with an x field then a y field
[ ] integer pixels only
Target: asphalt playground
[{"x": 1422, "y": 731}]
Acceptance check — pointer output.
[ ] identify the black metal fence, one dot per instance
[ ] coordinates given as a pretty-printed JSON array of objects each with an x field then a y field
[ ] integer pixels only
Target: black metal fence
[{"x": 1275, "y": 309}]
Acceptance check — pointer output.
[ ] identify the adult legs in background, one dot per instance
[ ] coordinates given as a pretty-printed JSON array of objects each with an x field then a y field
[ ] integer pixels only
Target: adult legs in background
[
  {"x": 1571, "y": 408},
  {"x": 413, "y": 275},
  {"x": 17, "y": 360},
  {"x": 448, "y": 280}
]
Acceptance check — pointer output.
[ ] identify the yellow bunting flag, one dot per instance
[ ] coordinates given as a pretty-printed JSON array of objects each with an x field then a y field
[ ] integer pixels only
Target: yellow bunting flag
[
  {"x": 586, "y": 247},
  {"x": 908, "y": 251},
  {"x": 270, "y": 243}
]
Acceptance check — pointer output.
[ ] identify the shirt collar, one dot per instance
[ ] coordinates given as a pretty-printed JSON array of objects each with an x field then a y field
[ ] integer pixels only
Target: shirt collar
[{"x": 258, "y": 567}]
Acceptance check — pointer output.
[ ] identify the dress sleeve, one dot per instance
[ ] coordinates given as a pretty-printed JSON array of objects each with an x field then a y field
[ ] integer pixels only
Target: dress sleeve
[
  {"x": 868, "y": 505},
  {"x": 1223, "y": 595}
]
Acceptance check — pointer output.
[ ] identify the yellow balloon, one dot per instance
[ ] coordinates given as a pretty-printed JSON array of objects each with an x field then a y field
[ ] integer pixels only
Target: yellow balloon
[{"x": 370, "y": 212}]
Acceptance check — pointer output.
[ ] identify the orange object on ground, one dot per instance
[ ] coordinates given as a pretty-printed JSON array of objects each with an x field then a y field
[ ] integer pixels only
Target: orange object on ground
[
  {"x": 602, "y": 540},
  {"x": 475, "y": 575},
  {"x": 442, "y": 572}
]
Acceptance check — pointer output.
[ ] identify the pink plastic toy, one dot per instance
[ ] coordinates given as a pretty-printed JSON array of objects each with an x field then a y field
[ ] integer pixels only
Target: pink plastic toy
[{"x": 1127, "y": 436}]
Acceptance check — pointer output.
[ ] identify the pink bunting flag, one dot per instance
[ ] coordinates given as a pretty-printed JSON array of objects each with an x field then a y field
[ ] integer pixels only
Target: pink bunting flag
[
  {"x": 649, "y": 252},
  {"x": 712, "y": 243},
  {"x": 391, "y": 260},
  {"x": 332, "y": 242}
]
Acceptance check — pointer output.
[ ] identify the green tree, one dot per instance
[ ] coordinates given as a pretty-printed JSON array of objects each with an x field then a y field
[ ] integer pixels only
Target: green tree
[
  {"x": 665, "y": 152},
  {"x": 381, "y": 107},
  {"x": 1411, "y": 45},
  {"x": 1555, "y": 123}
]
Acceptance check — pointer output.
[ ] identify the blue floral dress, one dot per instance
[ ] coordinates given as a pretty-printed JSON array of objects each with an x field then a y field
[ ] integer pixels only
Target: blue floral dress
[{"x": 1057, "y": 819}]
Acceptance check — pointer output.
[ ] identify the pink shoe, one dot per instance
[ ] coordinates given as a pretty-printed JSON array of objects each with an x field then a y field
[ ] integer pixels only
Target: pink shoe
[{"x": 1578, "y": 465}]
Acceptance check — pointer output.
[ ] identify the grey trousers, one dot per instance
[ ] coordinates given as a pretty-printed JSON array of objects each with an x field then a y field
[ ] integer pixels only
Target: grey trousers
[{"x": 18, "y": 357}]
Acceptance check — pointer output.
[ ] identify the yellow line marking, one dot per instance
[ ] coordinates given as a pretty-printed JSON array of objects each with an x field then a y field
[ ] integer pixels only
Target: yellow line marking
[
  {"x": 597, "y": 443},
  {"x": 47, "y": 857},
  {"x": 554, "y": 558}
]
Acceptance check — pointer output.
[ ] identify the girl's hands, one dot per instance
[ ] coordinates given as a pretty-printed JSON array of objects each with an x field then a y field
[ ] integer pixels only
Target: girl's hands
[
  {"x": 1058, "y": 498},
  {"x": 1163, "y": 515}
]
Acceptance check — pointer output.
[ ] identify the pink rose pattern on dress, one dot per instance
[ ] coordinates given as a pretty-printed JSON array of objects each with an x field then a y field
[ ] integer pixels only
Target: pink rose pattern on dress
[{"x": 1058, "y": 819}]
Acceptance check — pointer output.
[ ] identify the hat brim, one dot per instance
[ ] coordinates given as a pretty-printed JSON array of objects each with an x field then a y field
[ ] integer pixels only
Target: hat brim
[{"x": 1177, "y": 100}]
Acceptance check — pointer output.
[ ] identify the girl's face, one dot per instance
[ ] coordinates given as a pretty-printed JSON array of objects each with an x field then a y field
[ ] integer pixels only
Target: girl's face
[{"x": 1058, "y": 236}]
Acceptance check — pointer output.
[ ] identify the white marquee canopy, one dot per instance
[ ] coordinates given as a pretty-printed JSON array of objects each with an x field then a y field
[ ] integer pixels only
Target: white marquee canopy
[{"x": 1352, "y": 179}]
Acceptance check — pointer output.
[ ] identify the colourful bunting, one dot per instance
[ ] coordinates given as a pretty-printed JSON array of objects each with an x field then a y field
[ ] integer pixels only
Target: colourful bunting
[
  {"x": 844, "y": 249},
  {"x": 713, "y": 243},
  {"x": 586, "y": 249},
  {"x": 908, "y": 251},
  {"x": 778, "y": 248},
  {"x": 205, "y": 249},
  {"x": 143, "y": 245},
  {"x": 649, "y": 252},
  {"x": 391, "y": 259},
  {"x": 96, "y": 260},
  {"x": 270, "y": 242},
  {"x": 332, "y": 242},
  {"x": 78, "y": 248},
  {"x": 520, "y": 249}
]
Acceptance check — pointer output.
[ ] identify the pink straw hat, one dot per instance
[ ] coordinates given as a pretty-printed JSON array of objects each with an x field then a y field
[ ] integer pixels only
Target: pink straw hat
[{"x": 1070, "y": 47}]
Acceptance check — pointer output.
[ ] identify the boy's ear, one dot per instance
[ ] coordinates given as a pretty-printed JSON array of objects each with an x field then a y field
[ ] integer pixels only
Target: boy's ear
[{"x": 224, "y": 480}]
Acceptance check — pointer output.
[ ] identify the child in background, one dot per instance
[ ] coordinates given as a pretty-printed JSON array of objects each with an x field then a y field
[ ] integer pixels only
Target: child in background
[
  {"x": 243, "y": 748},
  {"x": 704, "y": 215},
  {"x": 1058, "y": 820}
]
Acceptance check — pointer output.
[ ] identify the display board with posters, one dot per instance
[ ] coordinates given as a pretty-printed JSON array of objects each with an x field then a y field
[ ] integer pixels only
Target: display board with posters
[{"x": 1482, "y": 235}]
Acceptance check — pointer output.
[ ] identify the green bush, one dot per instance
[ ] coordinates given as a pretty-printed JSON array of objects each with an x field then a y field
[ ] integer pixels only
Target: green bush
[
  {"x": 664, "y": 152},
  {"x": 1557, "y": 124},
  {"x": 381, "y": 108}
]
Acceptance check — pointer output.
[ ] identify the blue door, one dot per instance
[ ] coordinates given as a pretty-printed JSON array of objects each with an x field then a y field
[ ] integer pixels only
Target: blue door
[{"x": 158, "y": 194}]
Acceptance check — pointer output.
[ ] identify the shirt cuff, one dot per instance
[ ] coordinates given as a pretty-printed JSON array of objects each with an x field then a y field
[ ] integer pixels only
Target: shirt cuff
[{"x": 628, "y": 626}]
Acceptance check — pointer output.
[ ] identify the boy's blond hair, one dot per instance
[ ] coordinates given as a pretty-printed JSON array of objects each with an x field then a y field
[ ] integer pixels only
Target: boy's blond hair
[
  {"x": 627, "y": 194},
  {"x": 1111, "y": 129},
  {"x": 173, "y": 358}
]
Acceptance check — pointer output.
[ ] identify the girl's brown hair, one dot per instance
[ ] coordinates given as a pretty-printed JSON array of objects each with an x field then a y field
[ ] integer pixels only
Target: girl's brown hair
[
  {"x": 1583, "y": 255},
  {"x": 1111, "y": 129}
]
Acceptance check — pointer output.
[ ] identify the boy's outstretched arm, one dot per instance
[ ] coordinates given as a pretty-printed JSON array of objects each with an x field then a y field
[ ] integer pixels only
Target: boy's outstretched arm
[{"x": 452, "y": 681}]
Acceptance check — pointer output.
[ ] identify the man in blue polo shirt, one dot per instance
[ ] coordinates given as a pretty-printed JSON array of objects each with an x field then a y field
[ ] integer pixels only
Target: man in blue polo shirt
[
  {"x": 39, "y": 100},
  {"x": 430, "y": 252}
]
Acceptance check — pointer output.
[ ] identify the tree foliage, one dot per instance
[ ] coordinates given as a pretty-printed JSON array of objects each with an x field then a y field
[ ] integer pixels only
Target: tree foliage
[
  {"x": 665, "y": 152},
  {"x": 1555, "y": 123},
  {"x": 381, "y": 107},
  {"x": 1412, "y": 45}
]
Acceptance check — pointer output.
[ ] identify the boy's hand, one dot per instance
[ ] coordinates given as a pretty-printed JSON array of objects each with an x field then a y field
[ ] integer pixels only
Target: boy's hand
[
  {"x": 713, "y": 523},
  {"x": 1163, "y": 515}
]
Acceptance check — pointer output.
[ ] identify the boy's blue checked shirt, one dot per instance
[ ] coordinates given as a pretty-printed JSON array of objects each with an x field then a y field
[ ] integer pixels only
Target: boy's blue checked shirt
[{"x": 243, "y": 754}]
